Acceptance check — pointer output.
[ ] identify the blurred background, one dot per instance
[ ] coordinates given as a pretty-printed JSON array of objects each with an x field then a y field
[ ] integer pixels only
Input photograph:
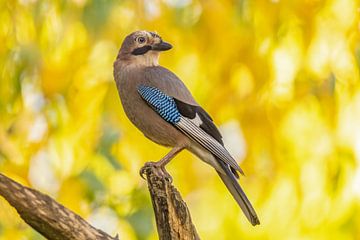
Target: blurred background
[{"x": 280, "y": 78}]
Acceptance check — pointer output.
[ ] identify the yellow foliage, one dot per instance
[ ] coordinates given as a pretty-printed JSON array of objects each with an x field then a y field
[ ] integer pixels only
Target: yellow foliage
[{"x": 280, "y": 78}]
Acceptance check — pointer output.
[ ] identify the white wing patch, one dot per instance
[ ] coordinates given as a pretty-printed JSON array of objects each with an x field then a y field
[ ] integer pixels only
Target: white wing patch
[
  {"x": 188, "y": 127},
  {"x": 197, "y": 120}
]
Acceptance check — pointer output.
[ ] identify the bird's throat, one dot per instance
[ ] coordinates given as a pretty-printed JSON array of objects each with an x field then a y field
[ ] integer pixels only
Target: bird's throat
[{"x": 149, "y": 59}]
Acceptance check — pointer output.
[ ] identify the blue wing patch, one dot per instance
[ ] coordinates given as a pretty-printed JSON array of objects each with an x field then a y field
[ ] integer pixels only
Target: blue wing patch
[
  {"x": 166, "y": 107},
  {"x": 163, "y": 104}
]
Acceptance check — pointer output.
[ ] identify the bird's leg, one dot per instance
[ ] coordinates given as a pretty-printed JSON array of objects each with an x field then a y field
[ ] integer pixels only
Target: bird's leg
[{"x": 160, "y": 165}]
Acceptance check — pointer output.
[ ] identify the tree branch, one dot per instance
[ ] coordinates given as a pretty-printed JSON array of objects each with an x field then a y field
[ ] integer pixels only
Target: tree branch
[
  {"x": 45, "y": 215},
  {"x": 55, "y": 222},
  {"x": 172, "y": 216}
]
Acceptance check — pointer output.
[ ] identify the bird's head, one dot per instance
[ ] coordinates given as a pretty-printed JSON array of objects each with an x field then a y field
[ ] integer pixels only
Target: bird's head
[{"x": 142, "y": 48}]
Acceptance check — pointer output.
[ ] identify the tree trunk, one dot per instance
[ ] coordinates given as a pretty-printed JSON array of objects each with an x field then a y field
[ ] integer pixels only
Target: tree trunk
[{"x": 171, "y": 213}]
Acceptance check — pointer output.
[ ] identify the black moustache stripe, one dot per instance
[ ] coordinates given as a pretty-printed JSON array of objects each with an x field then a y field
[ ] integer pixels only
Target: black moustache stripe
[{"x": 141, "y": 50}]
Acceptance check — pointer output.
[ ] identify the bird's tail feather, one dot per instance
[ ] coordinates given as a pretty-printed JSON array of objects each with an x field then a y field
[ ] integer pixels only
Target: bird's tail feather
[{"x": 239, "y": 195}]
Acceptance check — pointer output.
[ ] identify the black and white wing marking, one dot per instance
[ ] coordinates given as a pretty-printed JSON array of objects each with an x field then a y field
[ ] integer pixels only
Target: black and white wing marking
[
  {"x": 193, "y": 121},
  {"x": 200, "y": 117}
]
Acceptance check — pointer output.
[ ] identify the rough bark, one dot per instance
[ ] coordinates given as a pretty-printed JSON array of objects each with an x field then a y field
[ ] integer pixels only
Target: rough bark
[
  {"x": 172, "y": 216},
  {"x": 45, "y": 215},
  {"x": 56, "y": 222}
]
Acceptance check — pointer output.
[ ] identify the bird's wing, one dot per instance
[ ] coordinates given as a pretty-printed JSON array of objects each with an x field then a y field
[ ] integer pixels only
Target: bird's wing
[
  {"x": 167, "y": 82},
  {"x": 198, "y": 115},
  {"x": 192, "y": 120},
  {"x": 171, "y": 85}
]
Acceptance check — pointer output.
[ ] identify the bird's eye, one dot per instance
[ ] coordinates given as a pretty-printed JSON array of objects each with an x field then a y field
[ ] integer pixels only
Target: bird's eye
[{"x": 140, "y": 39}]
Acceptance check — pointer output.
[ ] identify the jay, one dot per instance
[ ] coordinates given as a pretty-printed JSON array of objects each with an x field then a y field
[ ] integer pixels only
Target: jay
[{"x": 158, "y": 103}]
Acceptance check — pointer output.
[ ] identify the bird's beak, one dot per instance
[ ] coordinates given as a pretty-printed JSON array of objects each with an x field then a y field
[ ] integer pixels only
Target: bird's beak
[{"x": 161, "y": 46}]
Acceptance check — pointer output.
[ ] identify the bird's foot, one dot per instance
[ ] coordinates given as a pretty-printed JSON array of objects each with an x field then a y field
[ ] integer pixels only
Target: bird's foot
[{"x": 159, "y": 170}]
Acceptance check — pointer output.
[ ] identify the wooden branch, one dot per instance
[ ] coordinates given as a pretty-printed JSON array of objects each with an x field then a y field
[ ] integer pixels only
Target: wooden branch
[
  {"x": 171, "y": 213},
  {"x": 55, "y": 222},
  {"x": 45, "y": 215}
]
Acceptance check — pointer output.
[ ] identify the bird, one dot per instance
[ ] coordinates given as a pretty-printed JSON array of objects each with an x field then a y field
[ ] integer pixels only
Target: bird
[{"x": 159, "y": 104}]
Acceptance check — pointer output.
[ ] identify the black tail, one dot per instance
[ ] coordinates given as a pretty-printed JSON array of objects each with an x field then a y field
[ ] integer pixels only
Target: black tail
[{"x": 239, "y": 195}]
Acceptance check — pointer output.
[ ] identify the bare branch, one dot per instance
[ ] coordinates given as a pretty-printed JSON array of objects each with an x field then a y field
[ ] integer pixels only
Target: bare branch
[
  {"x": 55, "y": 222},
  {"x": 44, "y": 214}
]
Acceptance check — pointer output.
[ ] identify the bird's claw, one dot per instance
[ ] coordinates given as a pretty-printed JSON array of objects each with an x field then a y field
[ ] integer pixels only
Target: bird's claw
[
  {"x": 166, "y": 175},
  {"x": 159, "y": 170},
  {"x": 142, "y": 172},
  {"x": 145, "y": 168}
]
